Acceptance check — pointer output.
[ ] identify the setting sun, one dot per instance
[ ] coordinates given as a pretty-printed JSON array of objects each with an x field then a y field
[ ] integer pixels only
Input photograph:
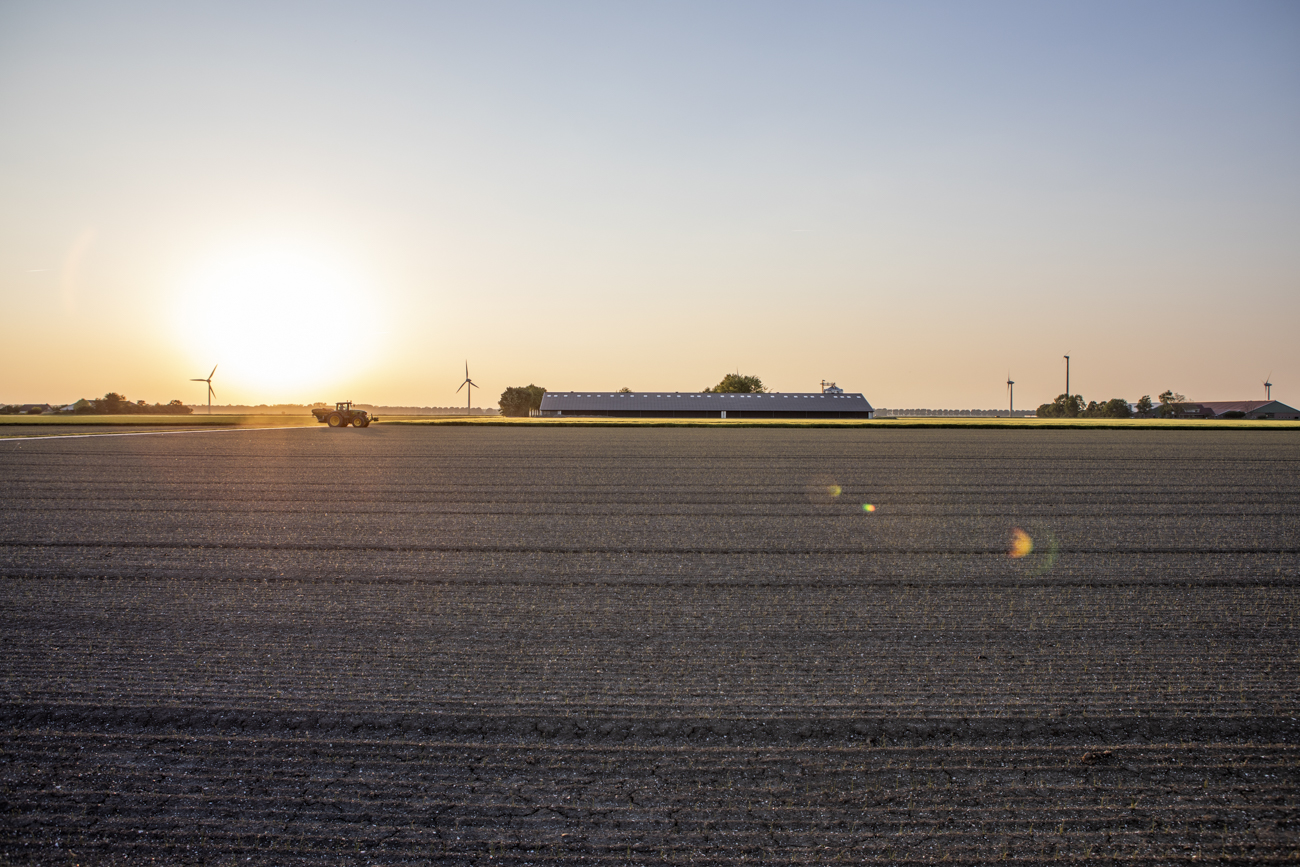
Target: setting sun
[{"x": 279, "y": 323}]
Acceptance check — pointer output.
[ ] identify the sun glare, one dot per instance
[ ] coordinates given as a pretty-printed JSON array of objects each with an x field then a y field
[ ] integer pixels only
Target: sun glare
[{"x": 283, "y": 326}]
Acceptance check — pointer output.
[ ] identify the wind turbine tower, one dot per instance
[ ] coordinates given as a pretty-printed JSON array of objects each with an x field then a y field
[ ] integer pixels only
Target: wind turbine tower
[
  {"x": 1067, "y": 376},
  {"x": 210, "y": 391},
  {"x": 472, "y": 385},
  {"x": 1268, "y": 387},
  {"x": 1011, "y": 393}
]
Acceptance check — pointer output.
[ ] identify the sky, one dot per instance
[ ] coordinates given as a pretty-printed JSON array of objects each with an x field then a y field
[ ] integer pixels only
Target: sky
[{"x": 915, "y": 200}]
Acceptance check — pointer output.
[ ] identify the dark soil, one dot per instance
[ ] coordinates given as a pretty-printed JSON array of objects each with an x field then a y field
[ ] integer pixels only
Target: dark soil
[{"x": 518, "y": 645}]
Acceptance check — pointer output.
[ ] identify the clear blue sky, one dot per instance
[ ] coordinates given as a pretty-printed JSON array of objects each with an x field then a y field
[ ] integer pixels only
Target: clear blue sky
[{"x": 348, "y": 200}]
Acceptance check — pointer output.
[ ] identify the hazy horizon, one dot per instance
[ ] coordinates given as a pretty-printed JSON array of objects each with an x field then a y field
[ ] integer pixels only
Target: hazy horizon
[{"x": 348, "y": 201}]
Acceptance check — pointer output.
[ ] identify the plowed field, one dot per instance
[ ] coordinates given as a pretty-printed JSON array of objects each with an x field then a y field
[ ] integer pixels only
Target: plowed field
[{"x": 610, "y": 645}]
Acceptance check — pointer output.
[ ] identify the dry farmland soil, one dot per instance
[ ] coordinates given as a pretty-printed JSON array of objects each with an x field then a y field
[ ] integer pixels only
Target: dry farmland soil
[{"x": 521, "y": 645}]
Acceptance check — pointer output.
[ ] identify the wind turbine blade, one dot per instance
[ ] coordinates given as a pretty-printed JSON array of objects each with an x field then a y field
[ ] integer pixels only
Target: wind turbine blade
[
  {"x": 212, "y": 391},
  {"x": 198, "y": 380},
  {"x": 214, "y": 370},
  {"x": 462, "y": 385}
]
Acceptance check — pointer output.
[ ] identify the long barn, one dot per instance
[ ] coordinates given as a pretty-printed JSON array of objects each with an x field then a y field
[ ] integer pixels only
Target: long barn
[{"x": 685, "y": 404}]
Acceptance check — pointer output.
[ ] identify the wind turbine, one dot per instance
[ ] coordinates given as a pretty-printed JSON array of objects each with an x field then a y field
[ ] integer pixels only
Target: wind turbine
[
  {"x": 472, "y": 385},
  {"x": 1011, "y": 392},
  {"x": 1268, "y": 387},
  {"x": 210, "y": 391}
]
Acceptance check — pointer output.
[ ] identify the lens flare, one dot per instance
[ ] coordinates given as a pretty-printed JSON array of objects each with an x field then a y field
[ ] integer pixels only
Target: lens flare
[
  {"x": 868, "y": 507},
  {"x": 823, "y": 489},
  {"x": 1037, "y": 553},
  {"x": 1047, "y": 558},
  {"x": 1021, "y": 544}
]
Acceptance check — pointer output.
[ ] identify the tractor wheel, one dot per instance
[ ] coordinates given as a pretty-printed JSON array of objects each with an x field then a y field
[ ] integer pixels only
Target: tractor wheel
[
  {"x": 335, "y": 420},
  {"x": 366, "y": 423},
  {"x": 358, "y": 422}
]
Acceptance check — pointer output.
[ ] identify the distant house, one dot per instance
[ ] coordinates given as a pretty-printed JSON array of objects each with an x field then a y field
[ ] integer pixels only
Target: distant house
[
  {"x": 689, "y": 404},
  {"x": 1249, "y": 409}
]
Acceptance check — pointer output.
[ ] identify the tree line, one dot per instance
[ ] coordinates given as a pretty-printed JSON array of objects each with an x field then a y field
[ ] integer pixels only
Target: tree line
[
  {"x": 1072, "y": 406},
  {"x": 116, "y": 404}
]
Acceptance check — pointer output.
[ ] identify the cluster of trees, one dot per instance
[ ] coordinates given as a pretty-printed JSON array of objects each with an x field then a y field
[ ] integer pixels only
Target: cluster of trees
[
  {"x": 1072, "y": 406},
  {"x": 735, "y": 383},
  {"x": 116, "y": 404},
  {"x": 1170, "y": 402},
  {"x": 518, "y": 401}
]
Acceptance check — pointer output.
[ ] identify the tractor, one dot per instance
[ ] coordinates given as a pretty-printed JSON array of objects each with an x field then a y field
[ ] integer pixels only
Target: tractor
[{"x": 343, "y": 415}]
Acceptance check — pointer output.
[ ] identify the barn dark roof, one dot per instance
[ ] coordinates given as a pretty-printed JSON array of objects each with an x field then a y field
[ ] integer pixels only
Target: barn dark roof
[
  {"x": 1221, "y": 406},
  {"x": 708, "y": 401},
  {"x": 1248, "y": 407}
]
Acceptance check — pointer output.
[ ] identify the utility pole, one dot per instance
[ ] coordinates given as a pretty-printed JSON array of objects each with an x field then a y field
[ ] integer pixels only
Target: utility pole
[{"x": 1067, "y": 377}]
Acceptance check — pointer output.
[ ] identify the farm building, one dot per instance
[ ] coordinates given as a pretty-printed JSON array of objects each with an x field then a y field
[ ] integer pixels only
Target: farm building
[
  {"x": 1238, "y": 409},
  {"x": 686, "y": 404}
]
